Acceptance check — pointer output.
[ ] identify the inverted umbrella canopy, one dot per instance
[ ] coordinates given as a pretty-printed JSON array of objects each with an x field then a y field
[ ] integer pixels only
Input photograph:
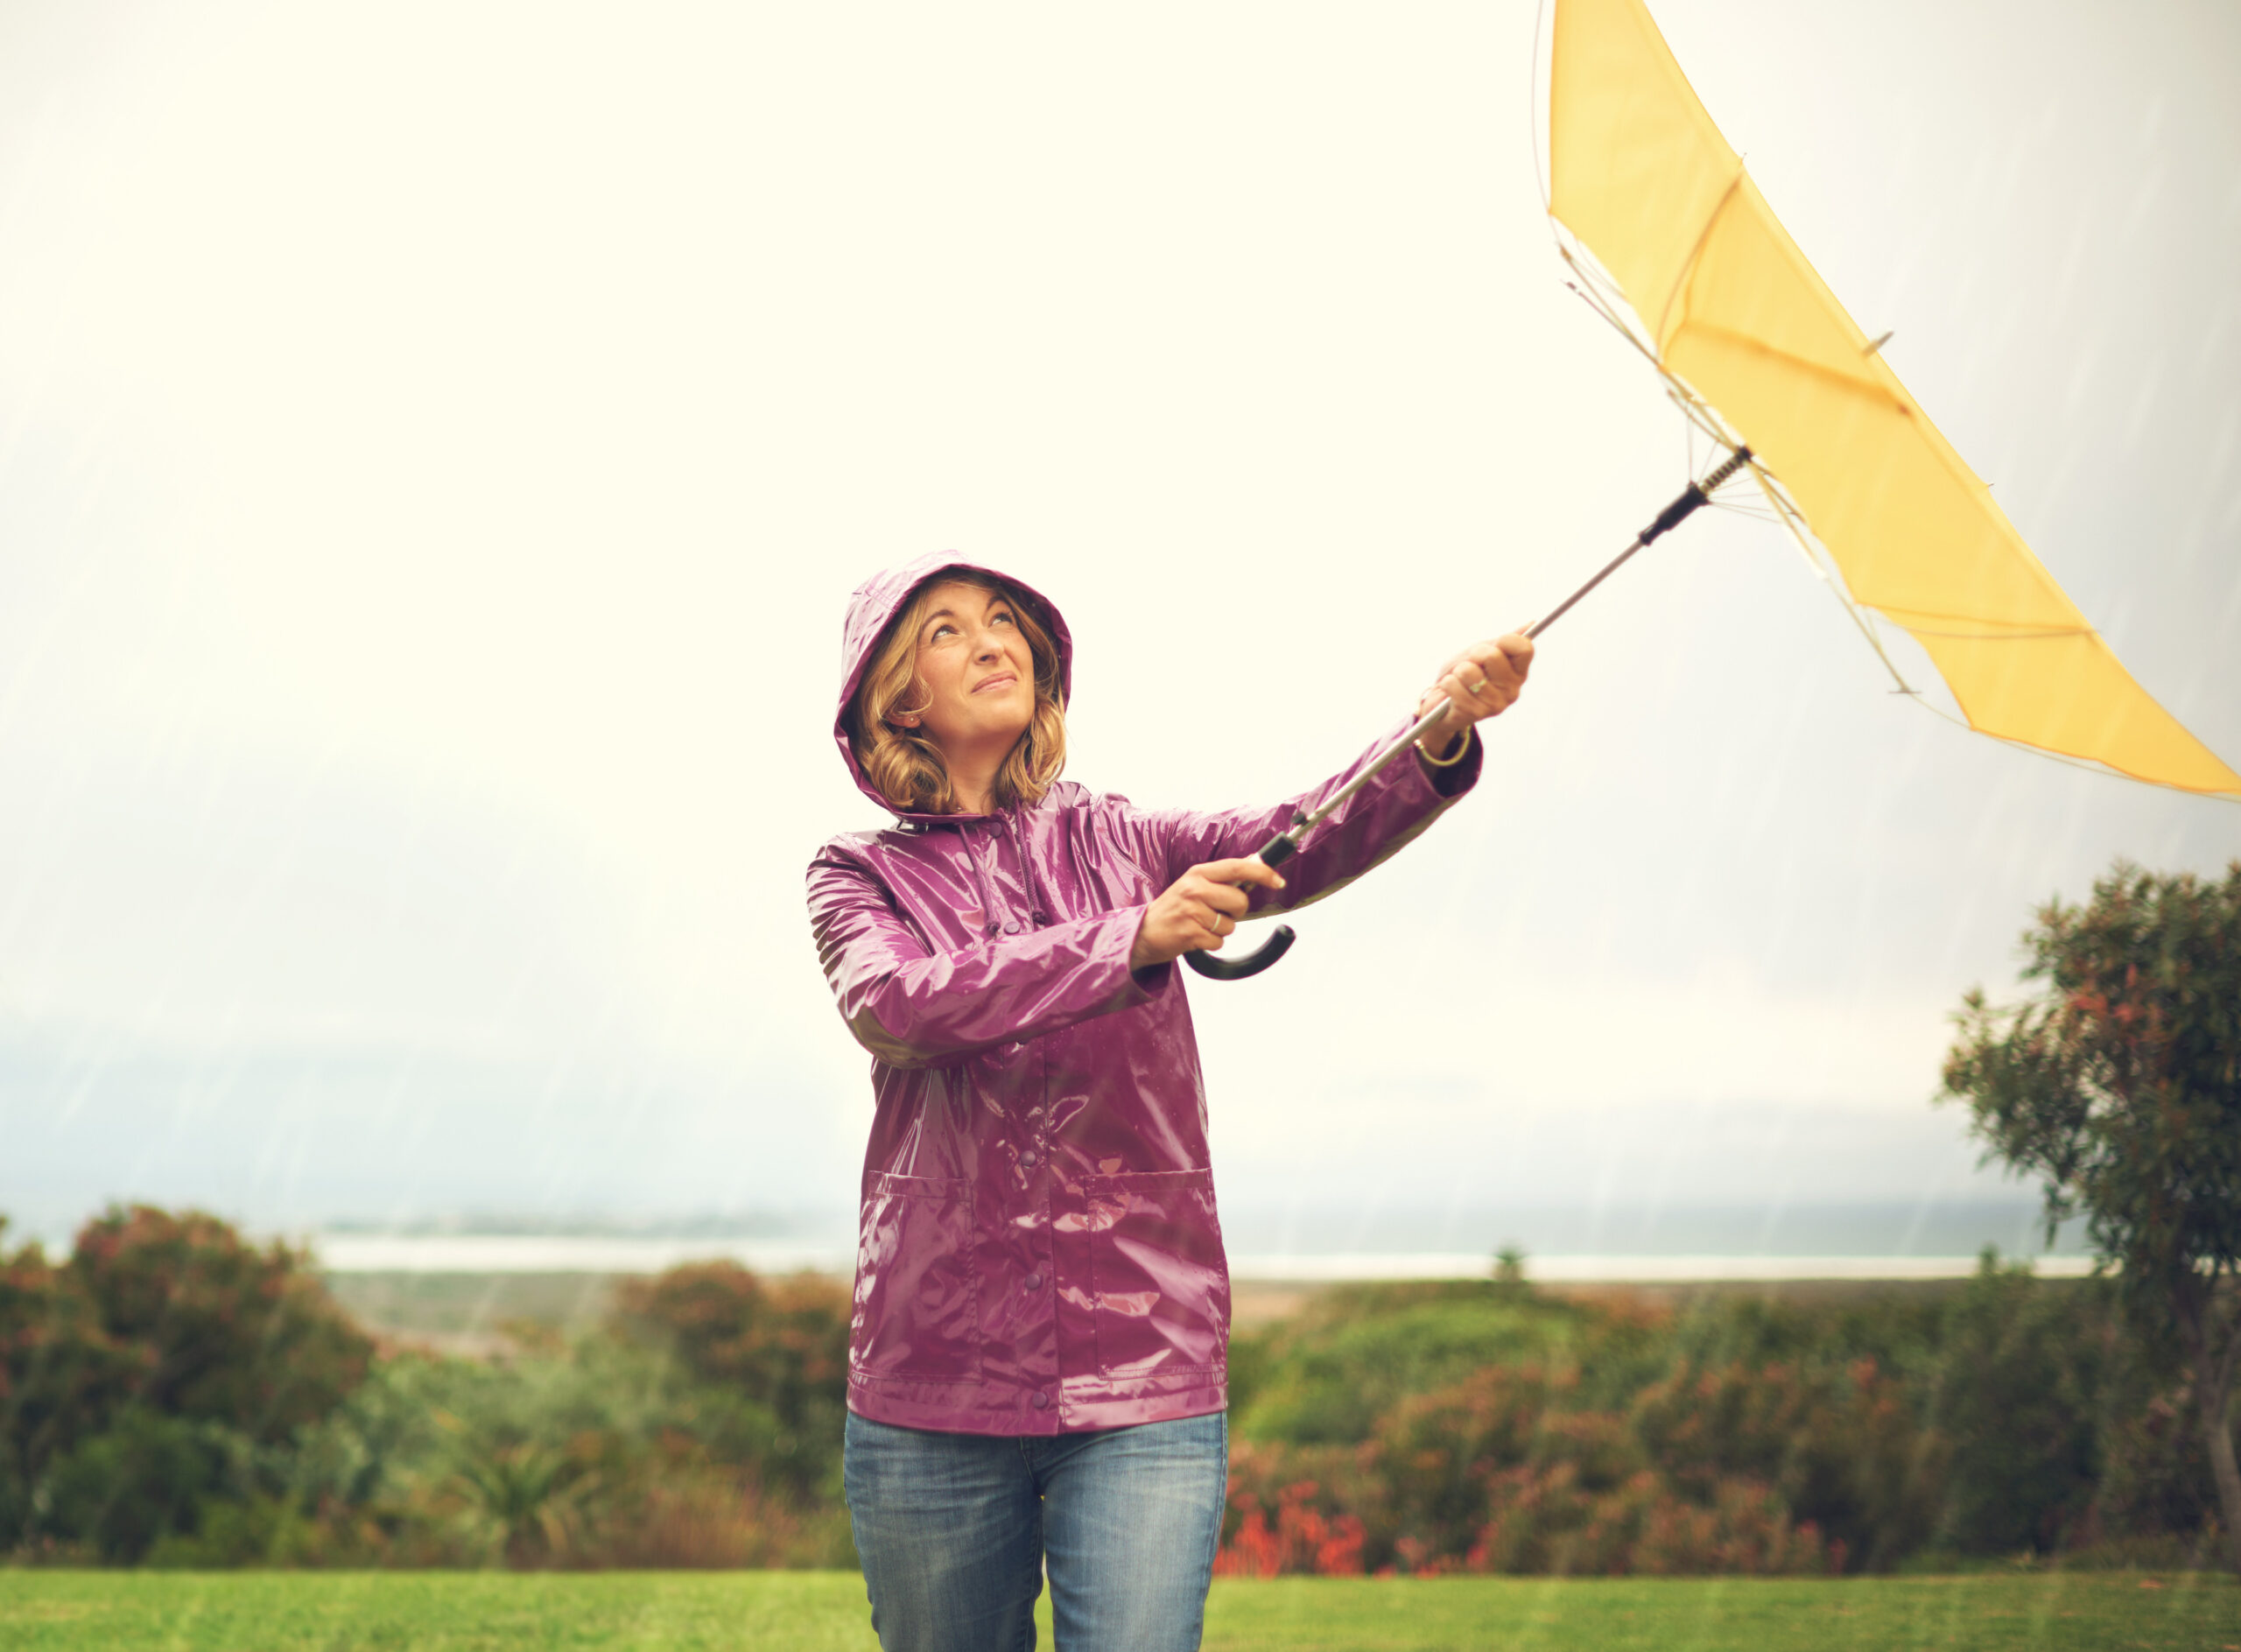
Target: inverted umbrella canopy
[{"x": 1730, "y": 312}]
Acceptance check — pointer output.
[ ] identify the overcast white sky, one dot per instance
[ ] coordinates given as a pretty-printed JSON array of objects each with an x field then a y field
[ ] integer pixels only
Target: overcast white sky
[{"x": 436, "y": 444}]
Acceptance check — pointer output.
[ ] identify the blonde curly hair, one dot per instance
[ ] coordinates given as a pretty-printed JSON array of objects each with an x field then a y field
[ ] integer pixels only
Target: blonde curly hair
[{"x": 904, "y": 765}]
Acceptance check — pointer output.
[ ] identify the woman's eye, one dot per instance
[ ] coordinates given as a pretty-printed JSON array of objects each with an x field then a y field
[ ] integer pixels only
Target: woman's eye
[{"x": 999, "y": 618}]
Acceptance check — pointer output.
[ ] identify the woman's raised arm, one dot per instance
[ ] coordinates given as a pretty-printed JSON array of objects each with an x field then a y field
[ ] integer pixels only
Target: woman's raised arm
[
  {"x": 1375, "y": 822},
  {"x": 1478, "y": 682}
]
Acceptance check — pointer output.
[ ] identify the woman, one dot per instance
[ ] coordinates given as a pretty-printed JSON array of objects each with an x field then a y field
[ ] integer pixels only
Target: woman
[{"x": 1037, "y": 1354}]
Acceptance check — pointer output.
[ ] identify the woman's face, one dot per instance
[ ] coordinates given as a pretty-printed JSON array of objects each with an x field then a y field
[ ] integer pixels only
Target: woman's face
[{"x": 975, "y": 673}]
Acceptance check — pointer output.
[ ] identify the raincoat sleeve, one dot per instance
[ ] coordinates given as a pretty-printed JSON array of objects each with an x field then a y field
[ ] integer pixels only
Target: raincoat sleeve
[
  {"x": 1373, "y": 824},
  {"x": 913, "y": 1007}
]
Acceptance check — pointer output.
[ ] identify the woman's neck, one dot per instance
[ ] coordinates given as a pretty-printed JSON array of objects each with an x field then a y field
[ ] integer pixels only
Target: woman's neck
[{"x": 972, "y": 785}]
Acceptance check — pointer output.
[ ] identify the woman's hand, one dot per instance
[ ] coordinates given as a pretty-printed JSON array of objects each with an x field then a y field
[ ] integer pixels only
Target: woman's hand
[
  {"x": 1483, "y": 681},
  {"x": 1198, "y": 909}
]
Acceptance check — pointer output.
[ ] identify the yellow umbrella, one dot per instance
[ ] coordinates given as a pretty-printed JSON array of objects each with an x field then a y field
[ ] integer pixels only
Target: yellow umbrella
[{"x": 1712, "y": 287}]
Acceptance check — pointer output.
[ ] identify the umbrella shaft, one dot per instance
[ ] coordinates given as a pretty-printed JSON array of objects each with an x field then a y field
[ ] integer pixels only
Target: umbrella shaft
[
  {"x": 1430, "y": 720},
  {"x": 1695, "y": 494},
  {"x": 1564, "y": 606},
  {"x": 1285, "y": 844}
]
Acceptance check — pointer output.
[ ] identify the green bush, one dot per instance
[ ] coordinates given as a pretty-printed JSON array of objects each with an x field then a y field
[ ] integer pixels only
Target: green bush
[
  {"x": 2154, "y": 1480},
  {"x": 144, "y": 1478},
  {"x": 61, "y": 1377},
  {"x": 173, "y": 1395},
  {"x": 2017, "y": 1392},
  {"x": 1440, "y": 1456},
  {"x": 144, "y": 1376},
  {"x": 2002, "y": 1413},
  {"x": 600, "y": 1452},
  {"x": 1327, "y": 1376},
  {"x": 1841, "y": 1449},
  {"x": 769, "y": 1358}
]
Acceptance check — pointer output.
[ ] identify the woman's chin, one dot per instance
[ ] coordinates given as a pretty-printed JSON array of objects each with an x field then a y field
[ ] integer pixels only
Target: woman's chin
[
  {"x": 1005, "y": 721},
  {"x": 992, "y": 726}
]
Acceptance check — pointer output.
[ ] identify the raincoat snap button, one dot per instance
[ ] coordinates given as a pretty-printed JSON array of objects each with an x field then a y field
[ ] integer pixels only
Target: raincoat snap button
[
  {"x": 1030, "y": 1158},
  {"x": 1041, "y": 1401},
  {"x": 1035, "y": 1282},
  {"x": 1011, "y": 929}
]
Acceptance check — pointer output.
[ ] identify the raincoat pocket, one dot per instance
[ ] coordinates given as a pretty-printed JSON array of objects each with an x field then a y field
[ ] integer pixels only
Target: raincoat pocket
[
  {"x": 918, "y": 1300},
  {"x": 1159, "y": 1285}
]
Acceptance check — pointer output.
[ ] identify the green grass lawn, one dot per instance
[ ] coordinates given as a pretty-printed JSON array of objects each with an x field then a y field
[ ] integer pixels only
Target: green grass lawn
[{"x": 780, "y": 1612}]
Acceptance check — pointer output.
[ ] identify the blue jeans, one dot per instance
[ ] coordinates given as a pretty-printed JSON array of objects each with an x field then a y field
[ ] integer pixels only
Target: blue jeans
[{"x": 954, "y": 1530}]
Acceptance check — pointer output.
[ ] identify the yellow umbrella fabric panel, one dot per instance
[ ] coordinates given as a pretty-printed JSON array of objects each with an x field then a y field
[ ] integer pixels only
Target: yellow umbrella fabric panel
[{"x": 1639, "y": 172}]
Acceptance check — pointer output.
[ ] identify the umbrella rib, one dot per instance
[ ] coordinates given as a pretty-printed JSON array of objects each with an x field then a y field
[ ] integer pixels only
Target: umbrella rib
[
  {"x": 1859, "y": 614},
  {"x": 1693, "y": 407},
  {"x": 1759, "y": 347},
  {"x": 1596, "y": 301},
  {"x": 1994, "y": 637},
  {"x": 1793, "y": 520},
  {"x": 1533, "y": 106},
  {"x": 1688, "y": 264},
  {"x": 2107, "y": 771}
]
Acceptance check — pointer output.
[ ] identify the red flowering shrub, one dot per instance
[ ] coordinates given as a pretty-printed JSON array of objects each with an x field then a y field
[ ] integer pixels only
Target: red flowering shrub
[
  {"x": 1437, "y": 1455},
  {"x": 1747, "y": 1529},
  {"x": 1502, "y": 1439},
  {"x": 1536, "y": 1516},
  {"x": 1301, "y": 1539},
  {"x": 1840, "y": 1448},
  {"x": 1504, "y": 1472}
]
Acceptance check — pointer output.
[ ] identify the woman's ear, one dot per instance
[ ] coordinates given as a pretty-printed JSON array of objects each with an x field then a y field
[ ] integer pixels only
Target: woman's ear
[{"x": 906, "y": 719}]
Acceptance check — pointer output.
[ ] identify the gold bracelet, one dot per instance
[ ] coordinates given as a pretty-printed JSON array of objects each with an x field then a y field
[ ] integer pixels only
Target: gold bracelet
[{"x": 1462, "y": 751}]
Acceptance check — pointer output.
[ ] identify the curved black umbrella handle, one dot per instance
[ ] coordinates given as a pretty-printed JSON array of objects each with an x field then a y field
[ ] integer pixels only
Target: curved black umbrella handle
[{"x": 1213, "y": 965}]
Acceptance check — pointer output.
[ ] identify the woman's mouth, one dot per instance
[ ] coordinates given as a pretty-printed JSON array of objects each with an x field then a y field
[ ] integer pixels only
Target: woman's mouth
[{"x": 1001, "y": 679}]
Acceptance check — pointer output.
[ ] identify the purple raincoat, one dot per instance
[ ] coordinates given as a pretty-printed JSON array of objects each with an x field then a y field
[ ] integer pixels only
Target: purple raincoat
[{"x": 1038, "y": 1247}]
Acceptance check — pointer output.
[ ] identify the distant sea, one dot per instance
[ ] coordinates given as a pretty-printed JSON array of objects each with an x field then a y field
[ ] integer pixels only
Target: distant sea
[
  {"x": 529, "y": 1253},
  {"x": 1868, "y": 1241}
]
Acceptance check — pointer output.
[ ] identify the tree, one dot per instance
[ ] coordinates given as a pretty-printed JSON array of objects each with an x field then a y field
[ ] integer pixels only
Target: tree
[
  {"x": 232, "y": 1332},
  {"x": 61, "y": 1377},
  {"x": 2118, "y": 1085},
  {"x": 776, "y": 1347},
  {"x": 782, "y": 1343}
]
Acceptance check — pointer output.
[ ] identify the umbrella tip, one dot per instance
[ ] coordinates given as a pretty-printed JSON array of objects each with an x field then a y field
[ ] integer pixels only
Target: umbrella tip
[{"x": 1881, "y": 343}]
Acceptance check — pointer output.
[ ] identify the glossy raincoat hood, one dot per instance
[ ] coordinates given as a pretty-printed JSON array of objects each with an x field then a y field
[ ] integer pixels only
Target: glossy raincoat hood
[{"x": 874, "y": 603}]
